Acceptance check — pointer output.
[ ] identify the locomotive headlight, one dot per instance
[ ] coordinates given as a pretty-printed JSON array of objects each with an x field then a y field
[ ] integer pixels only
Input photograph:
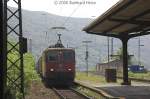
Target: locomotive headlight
[
  {"x": 69, "y": 69},
  {"x": 51, "y": 69}
]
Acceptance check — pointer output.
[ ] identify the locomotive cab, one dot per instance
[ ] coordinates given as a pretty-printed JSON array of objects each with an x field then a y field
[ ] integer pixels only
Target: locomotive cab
[{"x": 58, "y": 65}]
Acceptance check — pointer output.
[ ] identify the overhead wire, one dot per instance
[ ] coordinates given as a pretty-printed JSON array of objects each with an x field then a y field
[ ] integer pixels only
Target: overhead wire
[
  {"x": 63, "y": 24},
  {"x": 71, "y": 14},
  {"x": 60, "y": 11}
]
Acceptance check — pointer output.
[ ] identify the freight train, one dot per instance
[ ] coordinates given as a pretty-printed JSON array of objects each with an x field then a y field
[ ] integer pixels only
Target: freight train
[{"x": 56, "y": 66}]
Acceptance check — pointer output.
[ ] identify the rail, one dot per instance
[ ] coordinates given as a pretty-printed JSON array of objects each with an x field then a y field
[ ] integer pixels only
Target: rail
[{"x": 69, "y": 93}]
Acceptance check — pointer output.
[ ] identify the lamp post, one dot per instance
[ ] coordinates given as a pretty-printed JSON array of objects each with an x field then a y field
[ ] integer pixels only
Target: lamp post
[
  {"x": 112, "y": 46},
  {"x": 108, "y": 50},
  {"x": 139, "y": 51},
  {"x": 45, "y": 31},
  {"x": 87, "y": 54},
  {"x": 30, "y": 45}
]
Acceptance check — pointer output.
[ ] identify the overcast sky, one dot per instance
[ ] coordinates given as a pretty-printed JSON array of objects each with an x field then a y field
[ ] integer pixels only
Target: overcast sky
[{"x": 73, "y": 8}]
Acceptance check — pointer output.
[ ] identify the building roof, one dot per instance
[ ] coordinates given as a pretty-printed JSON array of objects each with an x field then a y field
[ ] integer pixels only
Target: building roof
[{"x": 130, "y": 17}]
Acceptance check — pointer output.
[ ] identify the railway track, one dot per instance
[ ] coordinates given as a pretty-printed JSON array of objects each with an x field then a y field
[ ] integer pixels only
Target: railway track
[
  {"x": 81, "y": 91},
  {"x": 69, "y": 93}
]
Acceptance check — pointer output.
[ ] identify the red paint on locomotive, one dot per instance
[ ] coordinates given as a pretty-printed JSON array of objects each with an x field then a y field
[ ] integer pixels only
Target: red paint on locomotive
[{"x": 58, "y": 66}]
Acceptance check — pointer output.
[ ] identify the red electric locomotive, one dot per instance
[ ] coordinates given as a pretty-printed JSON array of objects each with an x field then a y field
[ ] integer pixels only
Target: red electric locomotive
[{"x": 57, "y": 65}]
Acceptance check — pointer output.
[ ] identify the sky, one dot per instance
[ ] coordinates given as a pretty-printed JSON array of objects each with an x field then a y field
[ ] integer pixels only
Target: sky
[{"x": 72, "y": 8}]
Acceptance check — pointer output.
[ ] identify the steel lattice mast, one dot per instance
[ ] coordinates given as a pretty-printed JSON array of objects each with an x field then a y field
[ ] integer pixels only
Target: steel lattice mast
[
  {"x": 12, "y": 72},
  {"x": 3, "y": 52}
]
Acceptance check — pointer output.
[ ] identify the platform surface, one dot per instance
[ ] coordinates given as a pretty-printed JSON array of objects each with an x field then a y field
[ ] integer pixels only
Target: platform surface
[
  {"x": 129, "y": 92},
  {"x": 137, "y": 90}
]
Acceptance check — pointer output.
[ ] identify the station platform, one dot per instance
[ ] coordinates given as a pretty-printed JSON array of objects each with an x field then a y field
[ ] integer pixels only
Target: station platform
[{"x": 137, "y": 90}]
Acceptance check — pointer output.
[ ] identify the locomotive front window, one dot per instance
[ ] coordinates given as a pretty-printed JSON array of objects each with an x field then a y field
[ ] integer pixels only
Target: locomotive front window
[
  {"x": 52, "y": 56},
  {"x": 68, "y": 55}
]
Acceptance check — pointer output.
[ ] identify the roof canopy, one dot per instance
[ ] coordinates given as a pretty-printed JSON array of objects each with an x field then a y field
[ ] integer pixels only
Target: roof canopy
[{"x": 129, "y": 17}]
